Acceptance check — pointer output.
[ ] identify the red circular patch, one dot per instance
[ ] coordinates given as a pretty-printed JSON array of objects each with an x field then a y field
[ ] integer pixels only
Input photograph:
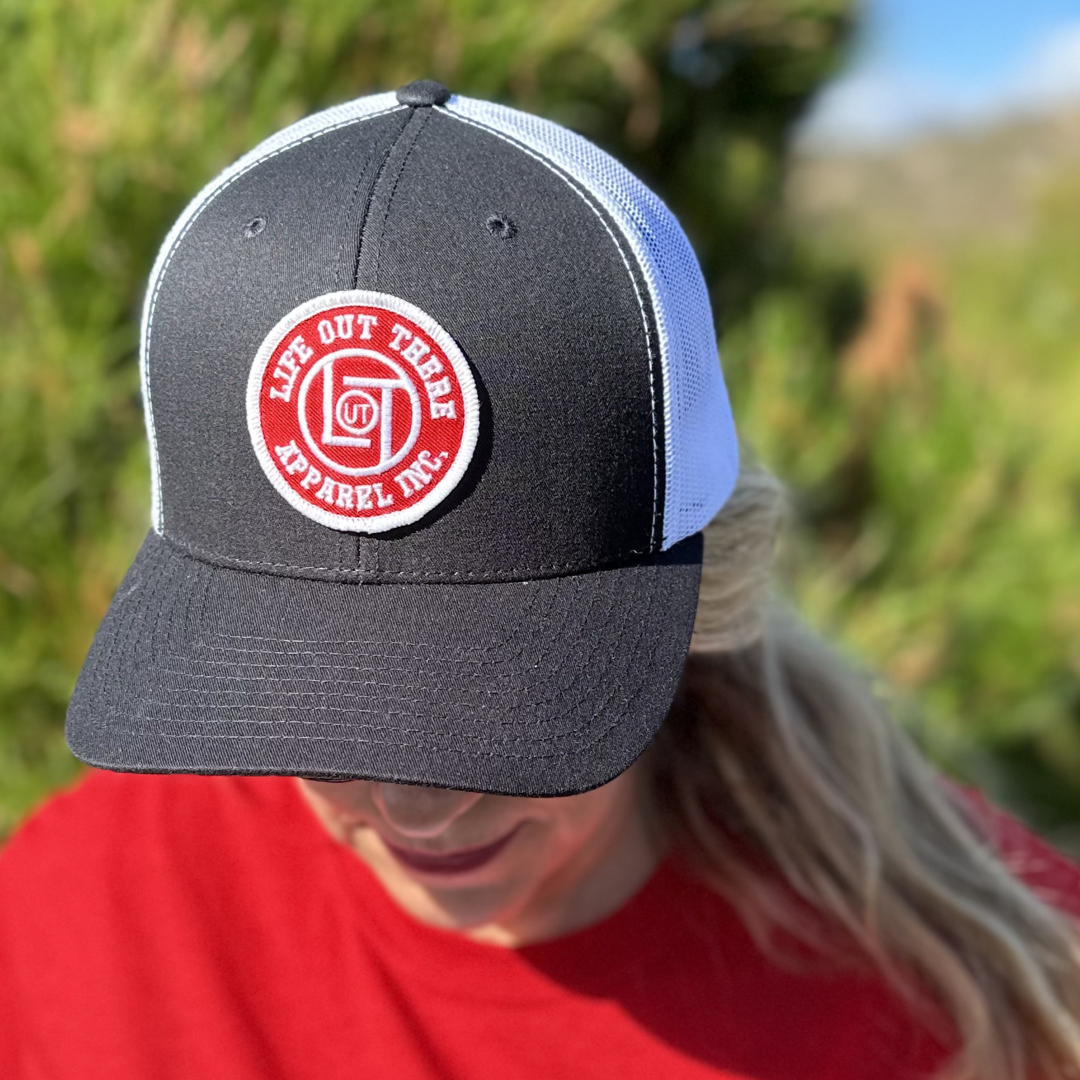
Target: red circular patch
[{"x": 362, "y": 411}]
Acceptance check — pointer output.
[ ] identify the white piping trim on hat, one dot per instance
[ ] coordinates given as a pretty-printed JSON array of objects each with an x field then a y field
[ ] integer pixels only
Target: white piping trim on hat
[
  {"x": 450, "y": 350},
  {"x": 633, "y": 281},
  {"x": 483, "y": 114},
  {"x": 716, "y": 450},
  {"x": 311, "y": 127}
]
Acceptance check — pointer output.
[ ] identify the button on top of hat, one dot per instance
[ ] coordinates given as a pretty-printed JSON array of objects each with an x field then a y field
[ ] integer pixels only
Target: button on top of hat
[{"x": 423, "y": 92}]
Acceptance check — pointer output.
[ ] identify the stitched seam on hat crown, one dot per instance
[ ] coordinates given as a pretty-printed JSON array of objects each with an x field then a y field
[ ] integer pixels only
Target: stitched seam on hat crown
[
  {"x": 380, "y": 575},
  {"x": 388, "y": 577},
  {"x": 359, "y": 243},
  {"x": 574, "y": 185},
  {"x": 158, "y": 510},
  {"x": 433, "y": 574},
  {"x": 421, "y": 122}
]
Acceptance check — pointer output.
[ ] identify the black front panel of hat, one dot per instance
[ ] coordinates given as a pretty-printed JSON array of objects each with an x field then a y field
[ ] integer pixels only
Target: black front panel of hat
[{"x": 516, "y": 263}]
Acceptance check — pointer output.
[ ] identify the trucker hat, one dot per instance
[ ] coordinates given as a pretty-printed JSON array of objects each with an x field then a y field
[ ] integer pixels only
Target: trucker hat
[{"x": 436, "y": 418}]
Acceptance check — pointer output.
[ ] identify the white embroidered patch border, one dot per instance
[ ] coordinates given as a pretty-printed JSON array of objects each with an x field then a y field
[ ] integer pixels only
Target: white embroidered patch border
[{"x": 362, "y": 411}]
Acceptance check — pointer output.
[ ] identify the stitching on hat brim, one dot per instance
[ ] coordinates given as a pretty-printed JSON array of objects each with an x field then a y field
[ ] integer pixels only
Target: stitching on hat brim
[
  {"x": 430, "y": 740},
  {"x": 390, "y": 577}
]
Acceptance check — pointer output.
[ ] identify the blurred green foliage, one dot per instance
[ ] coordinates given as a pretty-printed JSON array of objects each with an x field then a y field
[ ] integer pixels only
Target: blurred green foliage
[
  {"x": 938, "y": 500},
  {"x": 936, "y": 473}
]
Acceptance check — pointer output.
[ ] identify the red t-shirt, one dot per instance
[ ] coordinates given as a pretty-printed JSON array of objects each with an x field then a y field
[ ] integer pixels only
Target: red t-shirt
[{"x": 179, "y": 927}]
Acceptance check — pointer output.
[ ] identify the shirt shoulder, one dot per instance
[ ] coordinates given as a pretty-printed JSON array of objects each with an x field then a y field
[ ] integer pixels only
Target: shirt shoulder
[
  {"x": 1046, "y": 871},
  {"x": 112, "y": 832}
]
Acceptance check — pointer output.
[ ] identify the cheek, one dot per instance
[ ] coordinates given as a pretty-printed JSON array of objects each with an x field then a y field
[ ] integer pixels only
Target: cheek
[{"x": 339, "y": 806}]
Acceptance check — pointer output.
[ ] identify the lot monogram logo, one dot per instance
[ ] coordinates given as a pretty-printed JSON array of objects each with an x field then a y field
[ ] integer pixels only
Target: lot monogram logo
[{"x": 362, "y": 411}]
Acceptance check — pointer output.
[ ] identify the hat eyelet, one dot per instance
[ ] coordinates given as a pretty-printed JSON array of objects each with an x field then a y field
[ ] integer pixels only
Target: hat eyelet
[
  {"x": 254, "y": 227},
  {"x": 502, "y": 226}
]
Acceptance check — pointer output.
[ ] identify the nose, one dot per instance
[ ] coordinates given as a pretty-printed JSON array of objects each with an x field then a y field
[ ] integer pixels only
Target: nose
[{"x": 421, "y": 812}]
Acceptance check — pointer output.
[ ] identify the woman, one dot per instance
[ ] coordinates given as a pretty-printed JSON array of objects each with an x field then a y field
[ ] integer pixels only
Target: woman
[
  {"x": 443, "y": 835},
  {"x": 781, "y": 783}
]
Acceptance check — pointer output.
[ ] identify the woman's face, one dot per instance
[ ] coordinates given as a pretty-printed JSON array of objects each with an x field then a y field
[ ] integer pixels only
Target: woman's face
[{"x": 502, "y": 869}]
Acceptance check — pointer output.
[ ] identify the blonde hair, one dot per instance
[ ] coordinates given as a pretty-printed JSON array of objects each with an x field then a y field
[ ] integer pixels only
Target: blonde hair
[{"x": 788, "y": 786}]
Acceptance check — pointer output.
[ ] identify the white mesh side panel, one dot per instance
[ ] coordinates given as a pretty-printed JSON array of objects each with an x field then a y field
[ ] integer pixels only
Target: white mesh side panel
[
  {"x": 701, "y": 454},
  {"x": 311, "y": 127}
]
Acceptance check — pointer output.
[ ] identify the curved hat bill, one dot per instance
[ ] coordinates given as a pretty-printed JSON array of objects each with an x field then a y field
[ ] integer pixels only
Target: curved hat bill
[{"x": 544, "y": 687}]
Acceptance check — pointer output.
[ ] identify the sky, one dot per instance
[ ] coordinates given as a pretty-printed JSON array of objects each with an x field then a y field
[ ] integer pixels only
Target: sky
[{"x": 921, "y": 64}]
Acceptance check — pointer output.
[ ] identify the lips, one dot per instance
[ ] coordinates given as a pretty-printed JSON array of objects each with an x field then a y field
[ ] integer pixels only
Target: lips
[{"x": 450, "y": 862}]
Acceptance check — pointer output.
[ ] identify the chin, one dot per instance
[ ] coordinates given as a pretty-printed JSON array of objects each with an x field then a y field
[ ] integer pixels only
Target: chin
[{"x": 461, "y": 909}]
